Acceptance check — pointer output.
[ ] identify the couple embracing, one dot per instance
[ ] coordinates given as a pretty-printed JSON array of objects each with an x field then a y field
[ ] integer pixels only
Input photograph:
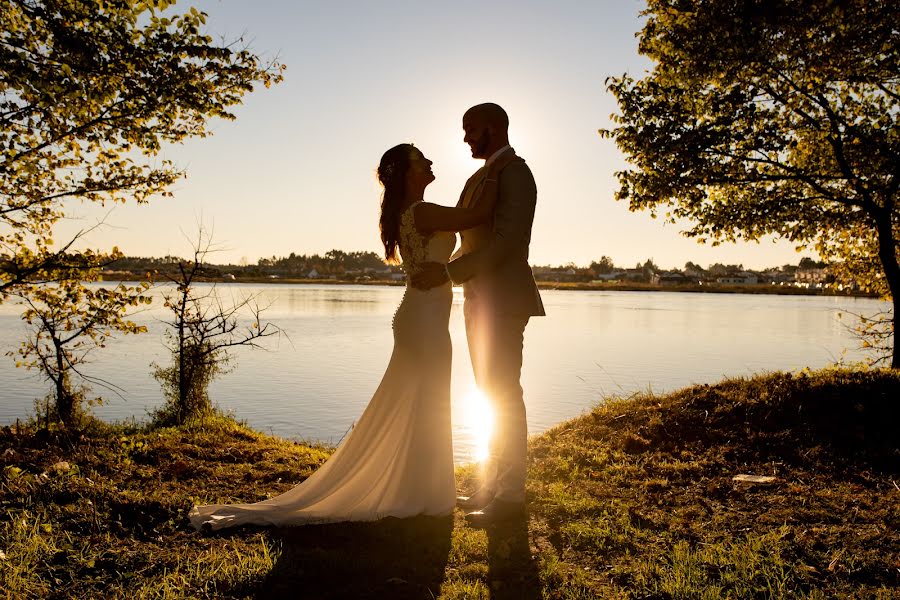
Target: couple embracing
[{"x": 397, "y": 461}]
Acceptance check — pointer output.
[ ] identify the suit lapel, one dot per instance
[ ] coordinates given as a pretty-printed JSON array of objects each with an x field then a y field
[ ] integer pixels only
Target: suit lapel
[{"x": 472, "y": 186}]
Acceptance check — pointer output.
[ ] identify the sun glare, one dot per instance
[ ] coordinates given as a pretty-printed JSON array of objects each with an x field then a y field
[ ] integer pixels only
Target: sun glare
[{"x": 477, "y": 423}]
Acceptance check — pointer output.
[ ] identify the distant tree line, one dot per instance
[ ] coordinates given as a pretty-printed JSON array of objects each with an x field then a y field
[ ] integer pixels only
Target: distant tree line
[
  {"x": 369, "y": 265},
  {"x": 333, "y": 262},
  {"x": 296, "y": 266},
  {"x": 605, "y": 268}
]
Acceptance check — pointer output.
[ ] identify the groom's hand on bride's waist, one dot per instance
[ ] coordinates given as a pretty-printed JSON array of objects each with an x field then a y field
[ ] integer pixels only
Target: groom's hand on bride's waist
[{"x": 431, "y": 274}]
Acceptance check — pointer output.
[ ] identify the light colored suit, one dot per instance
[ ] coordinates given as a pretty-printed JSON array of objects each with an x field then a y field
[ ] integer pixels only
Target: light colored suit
[
  {"x": 501, "y": 295},
  {"x": 492, "y": 260}
]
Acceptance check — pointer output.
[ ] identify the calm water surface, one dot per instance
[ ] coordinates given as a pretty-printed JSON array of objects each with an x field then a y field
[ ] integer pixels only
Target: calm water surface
[{"x": 314, "y": 383}]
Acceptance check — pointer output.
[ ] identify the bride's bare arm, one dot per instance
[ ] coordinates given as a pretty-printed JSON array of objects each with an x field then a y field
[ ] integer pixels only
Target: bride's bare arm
[{"x": 434, "y": 217}]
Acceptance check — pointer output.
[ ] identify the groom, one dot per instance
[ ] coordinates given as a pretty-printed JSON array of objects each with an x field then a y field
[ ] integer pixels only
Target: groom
[{"x": 492, "y": 265}]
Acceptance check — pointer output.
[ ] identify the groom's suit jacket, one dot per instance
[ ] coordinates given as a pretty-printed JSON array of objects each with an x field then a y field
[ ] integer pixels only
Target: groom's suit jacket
[{"x": 492, "y": 261}]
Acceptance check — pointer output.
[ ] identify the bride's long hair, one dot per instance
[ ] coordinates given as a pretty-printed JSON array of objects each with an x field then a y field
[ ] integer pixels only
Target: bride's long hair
[{"x": 392, "y": 174}]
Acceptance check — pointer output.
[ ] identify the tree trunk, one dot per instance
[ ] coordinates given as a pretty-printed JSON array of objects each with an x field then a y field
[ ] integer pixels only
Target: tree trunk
[
  {"x": 64, "y": 408},
  {"x": 895, "y": 359},
  {"x": 181, "y": 409},
  {"x": 63, "y": 403},
  {"x": 887, "y": 252}
]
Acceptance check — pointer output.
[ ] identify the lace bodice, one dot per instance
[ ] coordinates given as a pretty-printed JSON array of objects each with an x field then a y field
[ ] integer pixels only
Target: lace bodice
[{"x": 416, "y": 248}]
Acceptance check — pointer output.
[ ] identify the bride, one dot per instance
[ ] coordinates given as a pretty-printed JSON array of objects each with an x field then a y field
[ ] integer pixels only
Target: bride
[{"x": 397, "y": 461}]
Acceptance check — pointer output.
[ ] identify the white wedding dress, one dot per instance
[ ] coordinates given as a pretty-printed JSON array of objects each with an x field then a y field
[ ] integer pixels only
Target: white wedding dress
[{"x": 397, "y": 461}]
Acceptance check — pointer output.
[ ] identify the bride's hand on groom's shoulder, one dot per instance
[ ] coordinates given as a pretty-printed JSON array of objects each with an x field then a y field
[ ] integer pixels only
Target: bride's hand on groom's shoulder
[{"x": 431, "y": 274}]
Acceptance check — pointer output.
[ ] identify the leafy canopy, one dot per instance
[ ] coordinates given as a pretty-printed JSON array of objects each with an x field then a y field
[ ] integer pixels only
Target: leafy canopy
[
  {"x": 771, "y": 117},
  {"x": 764, "y": 117},
  {"x": 90, "y": 90}
]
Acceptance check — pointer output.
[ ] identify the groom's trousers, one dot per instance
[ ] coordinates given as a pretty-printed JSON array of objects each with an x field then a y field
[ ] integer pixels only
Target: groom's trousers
[{"x": 495, "y": 347}]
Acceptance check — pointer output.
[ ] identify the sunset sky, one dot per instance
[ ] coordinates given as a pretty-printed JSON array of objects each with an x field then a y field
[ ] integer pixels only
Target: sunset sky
[{"x": 295, "y": 171}]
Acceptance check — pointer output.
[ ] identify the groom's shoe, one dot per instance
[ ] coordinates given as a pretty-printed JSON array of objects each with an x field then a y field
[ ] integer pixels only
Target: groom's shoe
[
  {"x": 498, "y": 511},
  {"x": 477, "y": 500}
]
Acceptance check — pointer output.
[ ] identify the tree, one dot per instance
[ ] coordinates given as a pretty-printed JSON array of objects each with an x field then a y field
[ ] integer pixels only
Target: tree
[
  {"x": 201, "y": 336},
  {"x": 720, "y": 270},
  {"x": 786, "y": 125},
  {"x": 809, "y": 263},
  {"x": 89, "y": 93},
  {"x": 69, "y": 320},
  {"x": 337, "y": 258},
  {"x": 693, "y": 268},
  {"x": 604, "y": 266}
]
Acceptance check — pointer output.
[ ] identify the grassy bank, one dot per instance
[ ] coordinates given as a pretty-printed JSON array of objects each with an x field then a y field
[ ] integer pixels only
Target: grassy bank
[{"x": 635, "y": 500}]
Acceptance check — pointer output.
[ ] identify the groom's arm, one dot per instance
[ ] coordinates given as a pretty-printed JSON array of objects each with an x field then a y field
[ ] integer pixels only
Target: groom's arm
[{"x": 513, "y": 216}]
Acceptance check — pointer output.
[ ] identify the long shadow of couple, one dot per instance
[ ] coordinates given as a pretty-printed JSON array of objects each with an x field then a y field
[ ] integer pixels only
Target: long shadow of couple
[{"x": 393, "y": 558}]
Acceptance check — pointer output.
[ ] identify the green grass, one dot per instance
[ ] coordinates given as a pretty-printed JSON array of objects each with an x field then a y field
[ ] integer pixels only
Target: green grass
[{"x": 633, "y": 500}]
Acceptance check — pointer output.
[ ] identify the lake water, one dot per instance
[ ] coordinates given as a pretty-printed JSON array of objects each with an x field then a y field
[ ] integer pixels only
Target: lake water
[{"x": 315, "y": 382}]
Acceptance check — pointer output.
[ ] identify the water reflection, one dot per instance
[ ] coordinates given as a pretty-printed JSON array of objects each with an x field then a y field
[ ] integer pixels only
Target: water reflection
[
  {"x": 591, "y": 345},
  {"x": 333, "y": 300},
  {"x": 474, "y": 422}
]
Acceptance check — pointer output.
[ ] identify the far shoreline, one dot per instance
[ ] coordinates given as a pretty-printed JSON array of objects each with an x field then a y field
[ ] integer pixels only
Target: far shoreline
[{"x": 603, "y": 286}]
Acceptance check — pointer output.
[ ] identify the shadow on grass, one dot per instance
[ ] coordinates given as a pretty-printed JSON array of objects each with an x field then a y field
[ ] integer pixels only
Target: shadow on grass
[
  {"x": 391, "y": 558},
  {"x": 512, "y": 571}
]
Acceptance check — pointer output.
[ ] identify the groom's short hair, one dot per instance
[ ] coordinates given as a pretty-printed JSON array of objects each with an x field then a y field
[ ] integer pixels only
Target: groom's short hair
[{"x": 494, "y": 113}]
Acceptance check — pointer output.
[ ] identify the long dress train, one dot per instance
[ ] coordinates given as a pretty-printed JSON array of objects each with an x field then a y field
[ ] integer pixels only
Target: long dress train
[{"x": 398, "y": 459}]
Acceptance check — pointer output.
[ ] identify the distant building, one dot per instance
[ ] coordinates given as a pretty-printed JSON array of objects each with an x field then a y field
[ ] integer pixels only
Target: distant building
[
  {"x": 669, "y": 278},
  {"x": 778, "y": 277},
  {"x": 815, "y": 277},
  {"x": 560, "y": 274},
  {"x": 609, "y": 276},
  {"x": 744, "y": 278},
  {"x": 696, "y": 274},
  {"x": 313, "y": 274}
]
